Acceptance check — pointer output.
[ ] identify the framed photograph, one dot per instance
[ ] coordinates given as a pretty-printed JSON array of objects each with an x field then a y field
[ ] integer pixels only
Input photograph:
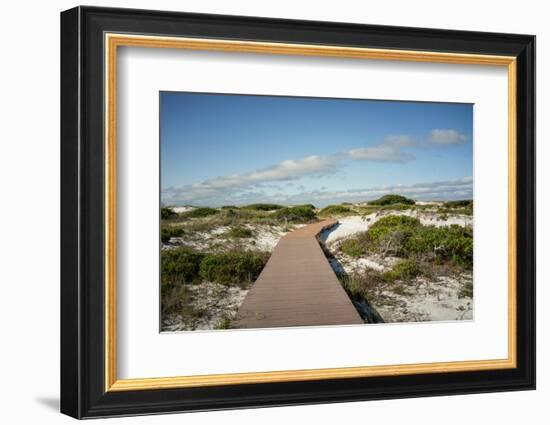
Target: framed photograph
[{"x": 261, "y": 212}]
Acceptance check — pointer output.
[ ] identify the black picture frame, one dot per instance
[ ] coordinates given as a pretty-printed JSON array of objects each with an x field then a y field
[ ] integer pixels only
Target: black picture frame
[{"x": 83, "y": 392}]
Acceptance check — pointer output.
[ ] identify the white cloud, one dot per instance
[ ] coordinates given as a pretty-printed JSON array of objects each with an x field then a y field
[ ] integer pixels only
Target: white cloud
[
  {"x": 447, "y": 137},
  {"x": 441, "y": 190},
  {"x": 390, "y": 150},
  {"x": 290, "y": 169}
]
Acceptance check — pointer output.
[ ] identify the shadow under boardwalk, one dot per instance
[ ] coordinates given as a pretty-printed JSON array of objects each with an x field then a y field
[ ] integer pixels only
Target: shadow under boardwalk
[{"x": 297, "y": 287}]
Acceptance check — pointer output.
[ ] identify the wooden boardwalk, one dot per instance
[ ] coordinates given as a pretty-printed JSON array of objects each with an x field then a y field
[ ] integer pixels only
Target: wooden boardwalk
[{"x": 297, "y": 287}]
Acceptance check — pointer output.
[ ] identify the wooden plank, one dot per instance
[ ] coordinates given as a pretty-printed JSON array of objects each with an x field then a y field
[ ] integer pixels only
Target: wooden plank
[{"x": 297, "y": 287}]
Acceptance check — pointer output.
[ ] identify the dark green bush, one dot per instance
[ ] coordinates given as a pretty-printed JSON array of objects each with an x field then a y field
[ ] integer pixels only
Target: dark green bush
[
  {"x": 170, "y": 232},
  {"x": 310, "y": 206},
  {"x": 239, "y": 232},
  {"x": 263, "y": 207},
  {"x": 167, "y": 213},
  {"x": 180, "y": 266},
  {"x": 391, "y": 224},
  {"x": 460, "y": 203},
  {"x": 396, "y": 207},
  {"x": 404, "y": 270},
  {"x": 406, "y": 237},
  {"x": 334, "y": 210},
  {"x": 454, "y": 243},
  {"x": 229, "y": 207},
  {"x": 232, "y": 267},
  {"x": 361, "y": 286},
  {"x": 200, "y": 212},
  {"x": 457, "y": 207},
  {"x": 300, "y": 213},
  {"x": 352, "y": 247},
  {"x": 392, "y": 199}
]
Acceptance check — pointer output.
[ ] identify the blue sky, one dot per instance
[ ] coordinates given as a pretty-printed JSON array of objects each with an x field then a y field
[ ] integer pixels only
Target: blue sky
[{"x": 240, "y": 149}]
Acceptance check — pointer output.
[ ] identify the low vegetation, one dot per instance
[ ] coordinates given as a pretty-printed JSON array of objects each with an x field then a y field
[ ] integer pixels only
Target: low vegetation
[
  {"x": 464, "y": 203},
  {"x": 167, "y": 213},
  {"x": 177, "y": 300},
  {"x": 335, "y": 210},
  {"x": 391, "y": 200},
  {"x": 465, "y": 207},
  {"x": 352, "y": 247},
  {"x": 263, "y": 207},
  {"x": 232, "y": 267},
  {"x": 180, "y": 266},
  {"x": 183, "y": 268},
  {"x": 204, "y": 218},
  {"x": 406, "y": 237},
  {"x": 200, "y": 212},
  {"x": 238, "y": 232},
  {"x": 297, "y": 214},
  {"x": 167, "y": 232},
  {"x": 360, "y": 286},
  {"x": 404, "y": 270}
]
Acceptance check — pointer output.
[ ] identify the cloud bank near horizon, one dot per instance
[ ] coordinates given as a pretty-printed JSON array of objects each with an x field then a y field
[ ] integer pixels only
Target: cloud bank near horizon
[
  {"x": 440, "y": 190},
  {"x": 251, "y": 186}
]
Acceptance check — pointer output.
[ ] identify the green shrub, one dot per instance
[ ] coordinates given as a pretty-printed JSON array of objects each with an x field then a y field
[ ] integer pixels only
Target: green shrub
[
  {"x": 404, "y": 270},
  {"x": 200, "y": 212},
  {"x": 406, "y": 236},
  {"x": 229, "y": 207},
  {"x": 167, "y": 213},
  {"x": 198, "y": 226},
  {"x": 463, "y": 203},
  {"x": 263, "y": 207},
  {"x": 232, "y": 267},
  {"x": 335, "y": 210},
  {"x": 239, "y": 232},
  {"x": 310, "y": 206},
  {"x": 465, "y": 207},
  {"x": 362, "y": 286},
  {"x": 352, "y": 247},
  {"x": 170, "y": 232},
  {"x": 369, "y": 209},
  {"x": 392, "y": 199},
  {"x": 393, "y": 226},
  {"x": 453, "y": 243},
  {"x": 180, "y": 266},
  {"x": 397, "y": 207},
  {"x": 300, "y": 213}
]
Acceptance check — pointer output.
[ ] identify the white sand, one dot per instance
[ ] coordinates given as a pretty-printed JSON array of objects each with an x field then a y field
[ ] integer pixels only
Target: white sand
[
  {"x": 436, "y": 300},
  {"x": 217, "y": 302},
  {"x": 182, "y": 209},
  {"x": 434, "y": 203},
  {"x": 346, "y": 227},
  {"x": 267, "y": 237}
]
